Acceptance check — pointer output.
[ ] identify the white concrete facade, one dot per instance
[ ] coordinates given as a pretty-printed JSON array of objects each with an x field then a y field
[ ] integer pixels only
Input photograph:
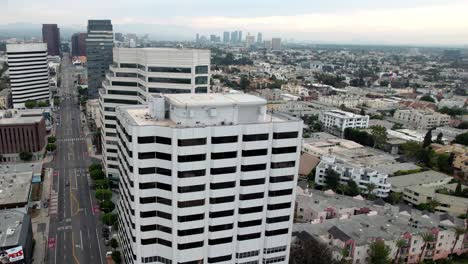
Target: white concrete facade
[
  {"x": 29, "y": 73},
  {"x": 206, "y": 179},
  {"x": 338, "y": 121},
  {"x": 422, "y": 119},
  {"x": 136, "y": 73}
]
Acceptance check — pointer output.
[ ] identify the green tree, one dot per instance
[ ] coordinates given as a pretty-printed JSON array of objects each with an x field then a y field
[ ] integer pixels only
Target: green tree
[
  {"x": 102, "y": 184},
  {"x": 244, "y": 82},
  {"x": 362, "y": 112},
  {"x": 103, "y": 194},
  {"x": 427, "y": 237},
  {"x": 379, "y": 253},
  {"x": 114, "y": 243},
  {"x": 458, "y": 189},
  {"x": 342, "y": 188},
  {"x": 116, "y": 257},
  {"x": 432, "y": 205},
  {"x": 444, "y": 163},
  {"x": 370, "y": 190},
  {"x": 51, "y": 147},
  {"x": 353, "y": 188},
  {"x": 109, "y": 219},
  {"x": 25, "y": 156},
  {"x": 379, "y": 133},
  {"x": 107, "y": 206},
  {"x": 400, "y": 243},
  {"x": 332, "y": 179},
  {"x": 459, "y": 234},
  {"x": 95, "y": 166},
  {"x": 427, "y": 98},
  {"x": 395, "y": 197},
  {"x": 30, "y": 104},
  {"x": 97, "y": 174},
  {"x": 51, "y": 139},
  {"x": 439, "y": 138},
  {"x": 427, "y": 139},
  {"x": 310, "y": 252},
  {"x": 462, "y": 139},
  {"x": 43, "y": 104}
]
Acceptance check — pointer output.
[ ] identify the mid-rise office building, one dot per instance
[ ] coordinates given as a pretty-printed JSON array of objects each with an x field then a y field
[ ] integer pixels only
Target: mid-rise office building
[
  {"x": 17, "y": 235},
  {"x": 276, "y": 43},
  {"x": 226, "y": 38},
  {"x": 336, "y": 121},
  {"x": 136, "y": 73},
  {"x": 239, "y": 36},
  {"x": 249, "y": 41},
  {"x": 422, "y": 119},
  {"x": 29, "y": 73},
  {"x": 51, "y": 36},
  {"x": 99, "y": 44},
  {"x": 78, "y": 43},
  {"x": 267, "y": 44},
  {"x": 234, "y": 37},
  {"x": 259, "y": 38},
  {"x": 206, "y": 178}
]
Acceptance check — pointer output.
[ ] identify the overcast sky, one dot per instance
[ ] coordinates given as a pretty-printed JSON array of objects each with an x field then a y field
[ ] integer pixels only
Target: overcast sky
[{"x": 373, "y": 21}]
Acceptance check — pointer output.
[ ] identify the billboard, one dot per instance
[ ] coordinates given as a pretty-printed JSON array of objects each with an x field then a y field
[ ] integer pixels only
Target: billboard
[{"x": 12, "y": 255}]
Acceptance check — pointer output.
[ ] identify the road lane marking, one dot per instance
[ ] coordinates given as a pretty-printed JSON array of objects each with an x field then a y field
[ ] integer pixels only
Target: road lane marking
[
  {"x": 73, "y": 250},
  {"x": 55, "y": 258},
  {"x": 81, "y": 240},
  {"x": 99, "y": 246},
  {"x": 76, "y": 181}
]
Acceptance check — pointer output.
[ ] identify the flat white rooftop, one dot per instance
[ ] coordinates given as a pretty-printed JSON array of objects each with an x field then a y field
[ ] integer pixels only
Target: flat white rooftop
[
  {"x": 199, "y": 100},
  {"x": 342, "y": 114}
]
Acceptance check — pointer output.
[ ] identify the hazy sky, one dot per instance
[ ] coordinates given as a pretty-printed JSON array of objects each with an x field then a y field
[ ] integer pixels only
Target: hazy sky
[{"x": 373, "y": 21}]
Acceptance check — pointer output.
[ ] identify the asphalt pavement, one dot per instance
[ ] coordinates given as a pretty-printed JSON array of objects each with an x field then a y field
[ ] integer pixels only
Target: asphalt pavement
[{"x": 75, "y": 228}]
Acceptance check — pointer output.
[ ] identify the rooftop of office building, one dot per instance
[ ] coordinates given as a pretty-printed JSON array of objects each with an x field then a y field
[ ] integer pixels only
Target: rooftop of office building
[
  {"x": 14, "y": 188},
  {"x": 13, "y": 117},
  {"x": 342, "y": 114},
  {"x": 11, "y": 224}
]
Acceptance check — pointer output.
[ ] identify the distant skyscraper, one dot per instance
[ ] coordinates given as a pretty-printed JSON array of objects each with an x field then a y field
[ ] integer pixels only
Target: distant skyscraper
[
  {"x": 197, "y": 39},
  {"x": 51, "y": 36},
  {"x": 78, "y": 43},
  {"x": 234, "y": 37},
  {"x": 119, "y": 37},
  {"x": 239, "y": 39},
  {"x": 226, "y": 37},
  {"x": 99, "y": 44},
  {"x": 249, "y": 40},
  {"x": 259, "y": 37},
  {"x": 276, "y": 43},
  {"x": 213, "y": 38},
  {"x": 267, "y": 44},
  {"x": 29, "y": 73}
]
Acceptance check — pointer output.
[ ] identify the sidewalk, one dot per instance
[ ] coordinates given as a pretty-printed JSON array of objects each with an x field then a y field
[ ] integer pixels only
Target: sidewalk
[
  {"x": 40, "y": 222},
  {"x": 88, "y": 136}
]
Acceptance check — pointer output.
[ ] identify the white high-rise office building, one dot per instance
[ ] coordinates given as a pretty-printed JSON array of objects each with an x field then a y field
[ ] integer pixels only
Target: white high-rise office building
[
  {"x": 206, "y": 178},
  {"x": 29, "y": 73},
  {"x": 135, "y": 73}
]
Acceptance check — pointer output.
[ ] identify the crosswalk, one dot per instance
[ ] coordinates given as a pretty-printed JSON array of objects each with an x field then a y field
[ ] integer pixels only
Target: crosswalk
[
  {"x": 53, "y": 204},
  {"x": 71, "y": 139}
]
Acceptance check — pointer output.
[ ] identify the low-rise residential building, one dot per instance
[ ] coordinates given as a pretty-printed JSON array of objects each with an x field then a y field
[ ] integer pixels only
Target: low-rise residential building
[
  {"x": 15, "y": 189},
  {"x": 270, "y": 94},
  {"x": 421, "y": 119},
  {"x": 5, "y": 99},
  {"x": 336, "y": 121},
  {"x": 450, "y": 133},
  {"x": 340, "y": 100},
  {"x": 93, "y": 112},
  {"x": 363, "y": 176},
  {"x": 16, "y": 234},
  {"x": 428, "y": 178}
]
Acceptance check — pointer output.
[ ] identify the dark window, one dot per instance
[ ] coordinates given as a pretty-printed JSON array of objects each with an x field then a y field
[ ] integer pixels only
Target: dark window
[
  {"x": 202, "y": 89},
  {"x": 255, "y": 137},
  {"x": 249, "y": 210},
  {"x": 147, "y": 155},
  {"x": 254, "y": 167},
  {"x": 170, "y": 69},
  {"x": 191, "y": 158},
  {"x": 276, "y": 232},
  {"x": 221, "y": 213},
  {"x": 132, "y": 84},
  {"x": 225, "y": 139},
  {"x": 160, "y": 241},
  {"x": 220, "y": 227},
  {"x": 251, "y": 196},
  {"x": 250, "y": 223},
  {"x": 110, "y": 117},
  {"x": 252, "y": 182},
  {"x": 146, "y": 140},
  {"x": 191, "y": 142},
  {"x": 279, "y": 206},
  {"x": 284, "y": 164},
  {"x": 283, "y": 135},
  {"x": 281, "y": 178},
  {"x": 155, "y": 199},
  {"x": 163, "y": 186},
  {"x": 284, "y": 150},
  {"x": 193, "y": 188},
  {"x": 278, "y": 219},
  {"x": 225, "y": 170},
  {"x": 156, "y": 227},
  {"x": 218, "y": 241},
  {"x": 128, "y": 65},
  {"x": 225, "y": 199},
  {"x": 164, "y": 140},
  {"x": 190, "y": 245},
  {"x": 219, "y": 259},
  {"x": 224, "y": 155},
  {"x": 280, "y": 192},
  {"x": 150, "y": 170},
  {"x": 147, "y": 185},
  {"x": 201, "y": 80},
  {"x": 126, "y": 74},
  {"x": 193, "y": 203},
  {"x": 155, "y": 214},
  {"x": 189, "y": 218},
  {"x": 122, "y": 92},
  {"x": 169, "y": 80},
  {"x": 163, "y": 156},
  {"x": 248, "y": 236},
  {"x": 222, "y": 185},
  {"x": 192, "y": 173},
  {"x": 201, "y": 69},
  {"x": 168, "y": 90},
  {"x": 254, "y": 152},
  {"x": 163, "y": 171},
  {"x": 190, "y": 232}
]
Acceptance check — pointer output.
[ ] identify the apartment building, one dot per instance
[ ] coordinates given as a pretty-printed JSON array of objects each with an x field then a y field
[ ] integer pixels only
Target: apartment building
[
  {"x": 422, "y": 119},
  {"x": 336, "y": 121},
  {"x": 29, "y": 73},
  {"x": 135, "y": 73},
  {"x": 206, "y": 178}
]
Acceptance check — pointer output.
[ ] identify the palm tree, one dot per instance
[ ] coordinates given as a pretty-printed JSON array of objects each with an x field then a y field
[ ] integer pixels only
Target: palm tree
[
  {"x": 343, "y": 188},
  {"x": 426, "y": 237},
  {"x": 400, "y": 243},
  {"x": 370, "y": 189},
  {"x": 459, "y": 231},
  {"x": 433, "y": 204},
  {"x": 396, "y": 197}
]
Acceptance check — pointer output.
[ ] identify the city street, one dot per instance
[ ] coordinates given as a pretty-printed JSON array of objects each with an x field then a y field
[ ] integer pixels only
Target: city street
[{"x": 75, "y": 229}]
